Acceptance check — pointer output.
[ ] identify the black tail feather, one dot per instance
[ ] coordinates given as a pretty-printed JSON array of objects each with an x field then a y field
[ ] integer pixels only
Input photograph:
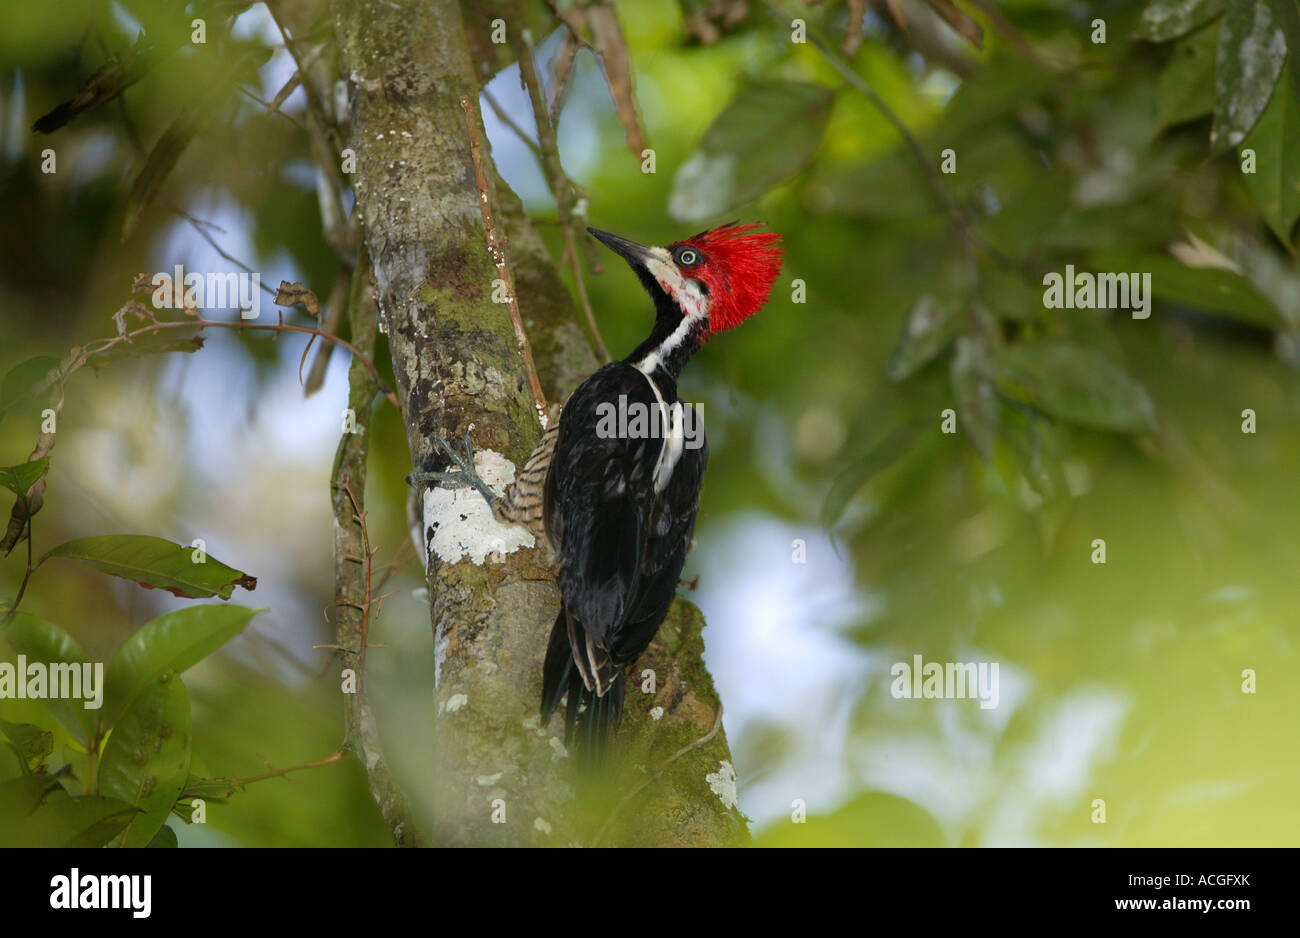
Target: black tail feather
[{"x": 601, "y": 716}]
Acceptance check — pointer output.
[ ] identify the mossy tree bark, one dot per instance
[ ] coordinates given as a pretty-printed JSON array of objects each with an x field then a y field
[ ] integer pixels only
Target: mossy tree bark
[{"x": 500, "y": 778}]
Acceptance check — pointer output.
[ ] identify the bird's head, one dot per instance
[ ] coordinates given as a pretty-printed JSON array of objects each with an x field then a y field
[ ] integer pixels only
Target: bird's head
[{"x": 722, "y": 276}]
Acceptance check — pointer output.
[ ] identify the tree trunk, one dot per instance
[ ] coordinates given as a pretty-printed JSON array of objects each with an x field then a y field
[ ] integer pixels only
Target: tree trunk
[{"x": 500, "y": 778}]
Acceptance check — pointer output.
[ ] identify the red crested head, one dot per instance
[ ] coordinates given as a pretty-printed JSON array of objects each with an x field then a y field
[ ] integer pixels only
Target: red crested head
[
  {"x": 737, "y": 264},
  {"x": 717, "y": 278}
]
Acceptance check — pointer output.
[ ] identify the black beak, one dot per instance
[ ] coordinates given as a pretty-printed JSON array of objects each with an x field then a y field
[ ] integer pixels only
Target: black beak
[{"x": 635, "y": 254}]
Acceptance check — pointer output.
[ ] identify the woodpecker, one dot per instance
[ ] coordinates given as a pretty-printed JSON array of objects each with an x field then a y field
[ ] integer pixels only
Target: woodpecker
[{"x": 618, "y": 509}]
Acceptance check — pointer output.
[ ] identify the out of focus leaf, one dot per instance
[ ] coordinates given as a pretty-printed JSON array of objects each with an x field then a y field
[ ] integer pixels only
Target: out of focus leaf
[
  {"x": 881, "y": 456},
  {"x": 171, "y": 144},
  {"x": 1075, "y": 383},
  {"x": 977, "y": 402},
  {"x": 1034, "y": 449},
  {"x": 18, "y": 479},
  {"x": 19, "y": 797},
  {"x": 768, "y": 132},
  {"x": 1275, "y": 184},
  {"x": 1288, "y": 14},
  {"x": 159, "y": 164},
  {"x": 83, "y": 821},
  {"x": 1186, "y": 87},
  {"x": 929, "y": 326},
  {"x": 165, "y": 838},
  {"x": 22, "y": 378},
  {"x": 1210, "y": 289},
  {"x": 872, "y": 819},
  {"x": 1252, "y": 48},
  {"x": 1163, "y": 20},
  {"x": 118, "y": 74},
  {"x": 155, "y": 563},
  {"x": 172, "y": 642},
  {"x": 32, "y": 743},
  {"x": 147, "y": 758},
  {"x": 45, "y": 642}
]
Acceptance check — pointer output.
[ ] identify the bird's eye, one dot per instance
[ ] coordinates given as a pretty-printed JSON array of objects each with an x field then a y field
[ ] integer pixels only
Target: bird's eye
[{"x": 687, "y": 257}]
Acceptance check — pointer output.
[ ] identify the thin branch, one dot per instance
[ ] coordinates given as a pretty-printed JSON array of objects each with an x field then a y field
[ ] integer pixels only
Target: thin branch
[
  {"x": 278, "y": 773},
  {"x": 550, "y": 159},
  {"x": 364, "y": 608},
  {"x": 496, "y": 245},
  {"x": 199, "y": 225},
  {"x": 81, "y": 355},
  {"x": 510, "y": 122}
]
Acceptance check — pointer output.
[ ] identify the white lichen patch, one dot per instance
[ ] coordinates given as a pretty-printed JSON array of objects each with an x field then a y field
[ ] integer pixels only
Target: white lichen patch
[
  {"x": 455, "y": 702},
  {"x": 487, "y": 780},
  {"x": 459, "y": 523},
  {"x": 656, "y": 713},
  {"x": 723, "y": 784},
  {"x": 558, "y": 748},
  {"x": 540, "y": 825}
]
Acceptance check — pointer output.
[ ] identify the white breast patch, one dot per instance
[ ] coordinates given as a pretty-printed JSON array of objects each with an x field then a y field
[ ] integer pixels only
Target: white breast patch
[{"x": 673, "y": 439}]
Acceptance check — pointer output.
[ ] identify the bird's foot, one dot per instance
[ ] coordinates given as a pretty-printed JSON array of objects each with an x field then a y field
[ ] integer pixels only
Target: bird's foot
[{"x": 463, "y": 475}]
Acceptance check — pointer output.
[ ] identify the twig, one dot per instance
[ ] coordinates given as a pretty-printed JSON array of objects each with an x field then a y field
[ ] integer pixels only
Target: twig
[
  {"x": 510, "y": 122},
  {"x": 81, "y": 355},
  {"x": 562, "y": 72},
  {"x": 550, "y": 160},
  {"x": 199, "y": 226},
  {"x": 496, "y": 246},
  {"x": 253, "y": 96},
  {"x": 717, "y": 725},
  {"x": 353, "y": 589},
  {"x": 360, "y": 517},
  {"x": 277, "y": 773}
]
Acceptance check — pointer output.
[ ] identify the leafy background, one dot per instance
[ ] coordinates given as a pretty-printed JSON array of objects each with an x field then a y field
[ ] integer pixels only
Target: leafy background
[{"x": 1120, "y": 681}]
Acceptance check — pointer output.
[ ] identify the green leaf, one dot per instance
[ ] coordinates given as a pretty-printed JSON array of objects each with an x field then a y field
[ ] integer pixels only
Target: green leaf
[
  {"x": 209, "y": 789},
  {"x": 32, "y": 743},
  {"x": 978, "y": 409},
  {"x": 155, "y": 563},
  {"x": 43, "y": 641},
  {"x": 1163, "y": 20},
  {"x": 1288, "y": 14},
  {"x": 172, "y": 642},
  {"x": 165, "y": 838},
  {"x": 1185, "y": 90},
  {"x": 23, "y": 378},
  {"x": 1210, "y": 289},
  {"x": 84, "y": 821},
  {"x": 1275, "y": 184},
  {"x": 18, "y": 479},
  {"x": 146, "y": 760},
  {"x": 1252, "y": 48},
  {"x": 881, "y": 456},
  {"x": 1075, "y": 383},
  {"x": 767, "y": 133},
  {"x": 929, "y": 326},
  {"x": 19, "y": 797}
]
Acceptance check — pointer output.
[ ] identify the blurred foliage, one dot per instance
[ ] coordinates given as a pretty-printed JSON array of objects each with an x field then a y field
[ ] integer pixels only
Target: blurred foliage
[{"x": 1159, "y": 137}]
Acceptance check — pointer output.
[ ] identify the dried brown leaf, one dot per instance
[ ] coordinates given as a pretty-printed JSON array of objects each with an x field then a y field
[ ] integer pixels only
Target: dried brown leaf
[{"x": 291, "y": 293}]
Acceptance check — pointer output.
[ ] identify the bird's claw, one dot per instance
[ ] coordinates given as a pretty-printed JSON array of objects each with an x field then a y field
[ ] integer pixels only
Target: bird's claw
[{"x": 460, "y": 477}]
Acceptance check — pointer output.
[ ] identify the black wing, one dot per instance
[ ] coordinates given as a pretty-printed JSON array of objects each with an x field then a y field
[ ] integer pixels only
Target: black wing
[
  {"x": 672, "y": 525},
  {"x": 600, "y": 509}
]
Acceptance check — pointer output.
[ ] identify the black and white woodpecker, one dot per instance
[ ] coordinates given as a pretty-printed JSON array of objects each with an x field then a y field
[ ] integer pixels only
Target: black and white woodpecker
[{"x": 619, "y": 510}]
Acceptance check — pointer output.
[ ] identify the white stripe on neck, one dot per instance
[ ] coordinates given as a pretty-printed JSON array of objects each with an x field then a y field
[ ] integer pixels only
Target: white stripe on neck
[{"x": 686, "y": 292}]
